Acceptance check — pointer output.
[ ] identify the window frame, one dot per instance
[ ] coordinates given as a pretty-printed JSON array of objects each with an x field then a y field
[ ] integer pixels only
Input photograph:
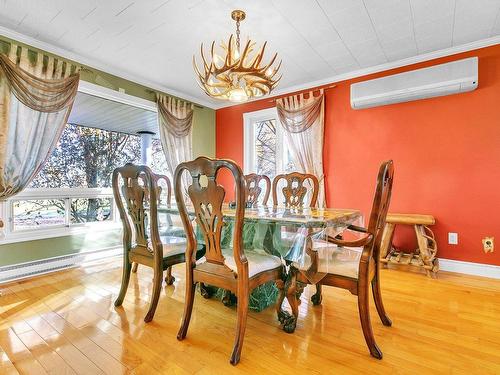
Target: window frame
[
  {"x": 67, "y": 229},
  {"x": 249, "y": 121}
]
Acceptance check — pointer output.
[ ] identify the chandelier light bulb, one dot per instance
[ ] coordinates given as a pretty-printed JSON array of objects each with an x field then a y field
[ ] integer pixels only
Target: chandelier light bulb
[{"x": 238, "y": 95}]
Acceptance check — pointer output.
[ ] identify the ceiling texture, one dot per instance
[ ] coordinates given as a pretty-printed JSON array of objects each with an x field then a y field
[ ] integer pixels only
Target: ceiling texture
[
  {"x": 153, "y": 41},
  {"x": 92, "y": 111}
]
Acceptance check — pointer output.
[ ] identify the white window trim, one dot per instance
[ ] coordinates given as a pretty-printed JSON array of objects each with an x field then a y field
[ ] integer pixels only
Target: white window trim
[
  {"x": 249, "y": 119},
  {"x": 67, "y": 229}
]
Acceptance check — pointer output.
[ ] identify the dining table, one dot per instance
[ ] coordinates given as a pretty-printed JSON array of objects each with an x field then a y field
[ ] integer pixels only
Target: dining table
[{"x": 289, "y": 233}]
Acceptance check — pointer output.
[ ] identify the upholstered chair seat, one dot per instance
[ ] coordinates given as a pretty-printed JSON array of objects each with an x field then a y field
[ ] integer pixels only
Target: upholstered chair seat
[
  {"x": 337, "y": 260},
  {"x": 257, "y": 261}
]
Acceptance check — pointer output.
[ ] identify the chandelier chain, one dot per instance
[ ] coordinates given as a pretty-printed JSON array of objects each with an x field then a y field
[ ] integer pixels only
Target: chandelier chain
[{"x": 238, "y": 34}]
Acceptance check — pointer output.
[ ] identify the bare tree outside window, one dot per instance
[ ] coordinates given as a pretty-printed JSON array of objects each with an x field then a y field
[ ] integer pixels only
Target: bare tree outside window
[
  {"x": 265, "y": 147},
  {"x": 83, "y": 158},
  {"x": 158, "y": 161},
  {"x": 267, "y": 150}
]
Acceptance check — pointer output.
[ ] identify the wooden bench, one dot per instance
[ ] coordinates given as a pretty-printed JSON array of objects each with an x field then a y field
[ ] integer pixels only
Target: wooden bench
[{"x": 424, "y": 256}]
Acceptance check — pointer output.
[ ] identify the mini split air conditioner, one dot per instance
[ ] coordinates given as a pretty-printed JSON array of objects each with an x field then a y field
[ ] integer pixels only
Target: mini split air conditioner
[{"x": 439, "y": 80}]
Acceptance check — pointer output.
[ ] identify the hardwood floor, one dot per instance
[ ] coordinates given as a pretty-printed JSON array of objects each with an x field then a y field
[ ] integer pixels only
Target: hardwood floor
[{"x": 65, "y": 323}]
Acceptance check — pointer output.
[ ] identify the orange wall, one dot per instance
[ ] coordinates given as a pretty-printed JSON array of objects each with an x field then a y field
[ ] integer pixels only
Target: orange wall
[{"x": 446, "y": 152}]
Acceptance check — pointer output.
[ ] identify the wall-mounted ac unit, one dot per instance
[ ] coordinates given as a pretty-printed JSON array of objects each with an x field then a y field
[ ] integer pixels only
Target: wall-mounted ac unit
[{"x": 439, "y": 80}]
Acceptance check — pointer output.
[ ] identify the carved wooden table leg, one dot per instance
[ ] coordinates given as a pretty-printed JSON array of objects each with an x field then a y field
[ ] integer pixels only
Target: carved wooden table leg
[
  {"x": 317, "y": 297},
  {"x": 207, "y": 291},
  {"x": 290, "y": 291},
  {"x": 229, "y": 299},
  {"x": 169, "y": 279},
  {"x": 313, "y": 269}
]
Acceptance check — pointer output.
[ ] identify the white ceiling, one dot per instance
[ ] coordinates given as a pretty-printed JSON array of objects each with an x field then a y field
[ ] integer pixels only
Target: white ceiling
[
  {"x": 95, "y": 112},
  {"x": 153, "y": 41}
]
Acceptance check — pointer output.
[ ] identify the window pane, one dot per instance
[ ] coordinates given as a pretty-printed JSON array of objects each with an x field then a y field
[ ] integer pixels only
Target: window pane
[
  {"x": 288, "y": 164},
  {"x": 32, "y": 214},
  {"x": 86, "y": 157},
  {"x": 86, "y": 210},
  {"x": 158, "y": 161},
  {"x": 265, "y": 147}
]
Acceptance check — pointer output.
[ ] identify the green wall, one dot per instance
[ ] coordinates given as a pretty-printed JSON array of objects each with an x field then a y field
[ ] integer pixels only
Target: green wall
[
  {"x": 27, "y": 251},
  {"x": 203, "y": 144}
]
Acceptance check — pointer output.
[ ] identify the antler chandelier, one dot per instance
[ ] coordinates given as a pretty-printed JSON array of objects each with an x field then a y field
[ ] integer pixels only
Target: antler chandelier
[{"x": 237, "y": 76}]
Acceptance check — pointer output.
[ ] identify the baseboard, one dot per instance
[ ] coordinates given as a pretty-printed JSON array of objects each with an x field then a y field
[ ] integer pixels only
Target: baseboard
[
  {"x": 39, "y": 267},
  {"x": 468, "y": 268}
]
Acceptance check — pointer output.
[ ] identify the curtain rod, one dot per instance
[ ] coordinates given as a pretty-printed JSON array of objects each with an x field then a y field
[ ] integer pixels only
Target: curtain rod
[
  {"x": 149, "y": 91},
  {"x": 321, "y": 88}
]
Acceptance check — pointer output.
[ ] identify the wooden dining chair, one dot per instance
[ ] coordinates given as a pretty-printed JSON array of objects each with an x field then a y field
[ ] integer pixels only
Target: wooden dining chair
[
  {"x": 354, "y": 265},
  {"x": 164, "y": 197},
  {"x": 253, "y": 190},
  {"x": 136, "y": 187},
  {"x": 232, "y": 269},
  {"x": 294, "y": 192}
]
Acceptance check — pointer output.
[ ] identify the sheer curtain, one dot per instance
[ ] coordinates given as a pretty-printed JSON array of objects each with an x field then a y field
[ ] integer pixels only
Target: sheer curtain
[
  {"x": 35, "y": 102},
  {"x": 303, "y": 123},
  {"x": 175, "y": 118}
]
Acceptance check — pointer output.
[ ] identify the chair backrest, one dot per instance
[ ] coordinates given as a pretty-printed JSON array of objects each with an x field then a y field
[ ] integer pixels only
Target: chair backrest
[
  {"x": 294, "y": 191},
  {"x": 253, "y": 190},
  {"x": 207, "y": 197},
  {"x": 380, "y": 207},
  {"x": 136, "y": 186},
  {"x": 158, "y": 178}
]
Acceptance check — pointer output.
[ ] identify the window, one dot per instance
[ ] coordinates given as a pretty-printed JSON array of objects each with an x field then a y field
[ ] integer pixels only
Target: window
[
  {"x": 265, "y": 147},
  {"x": 73, "y": 190},
  {"x": 39, "y": 213},
  {"x": 86, "y": 157}
]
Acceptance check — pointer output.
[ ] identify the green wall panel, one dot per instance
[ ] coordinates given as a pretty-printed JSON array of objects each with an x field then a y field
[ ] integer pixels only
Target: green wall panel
[{"x": 28, "y": 251}]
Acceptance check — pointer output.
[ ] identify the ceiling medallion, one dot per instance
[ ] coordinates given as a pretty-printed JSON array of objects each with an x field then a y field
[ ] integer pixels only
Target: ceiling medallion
[{"x": 237, "y": 76}]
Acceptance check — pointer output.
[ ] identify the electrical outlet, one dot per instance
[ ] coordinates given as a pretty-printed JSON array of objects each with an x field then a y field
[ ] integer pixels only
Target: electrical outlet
[
  {"x": 452, "y": 238},
  {"x": 488, "y": 244}
]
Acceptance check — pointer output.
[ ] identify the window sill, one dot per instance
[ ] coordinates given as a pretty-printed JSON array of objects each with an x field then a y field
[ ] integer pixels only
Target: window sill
[{"x": 40, "y": 234}]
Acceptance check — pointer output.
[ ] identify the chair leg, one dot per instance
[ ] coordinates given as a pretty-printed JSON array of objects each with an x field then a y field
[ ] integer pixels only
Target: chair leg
[
  {"x": 155, "y": 296},
  {"x": 169, "y": 279},
  {"x": 134, "y": 267},
  {"x": 317, "y": 297},
  {"x": 364, "y": 316},
  {"x": 127, "y": 267},
  {"x": 188, "y": 304},
  {"x": 241, "y": 324},
  {"x": 377, "y": 297}
]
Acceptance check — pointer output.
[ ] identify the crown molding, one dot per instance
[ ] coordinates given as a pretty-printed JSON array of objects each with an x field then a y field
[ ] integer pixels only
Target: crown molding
[
  {"x": 210, "y": 104},
  {"x": 380, "y": 68},
  {"x": 92, "y": 63}
]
